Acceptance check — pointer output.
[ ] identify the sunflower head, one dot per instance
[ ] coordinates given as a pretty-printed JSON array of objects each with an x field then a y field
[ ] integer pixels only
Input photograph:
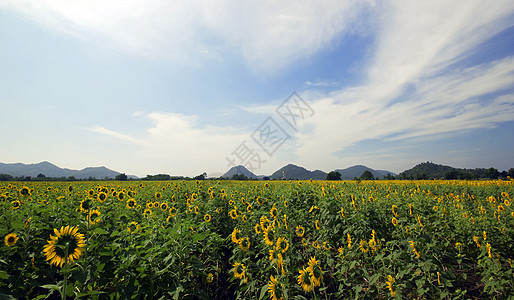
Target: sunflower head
[
  {"x": 67, "y": 240},
  {"x": 131, "y": 203},
  {"x": 101, "y": 196},
  {"x": 304, "y": 280},
  {"x": 244, "y": 244},
  {"x": 275, "y": 289},
  {"x": 10, "y": 239},
  {"x": 94, "y": 216},
  {"x": 207, "y": 218},
  {"x": 240, "y": 271},
  {"x": 300, "y": 231}
]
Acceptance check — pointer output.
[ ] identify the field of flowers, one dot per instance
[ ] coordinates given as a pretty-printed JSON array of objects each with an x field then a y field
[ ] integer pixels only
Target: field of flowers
[{"x": 255, "y": 239}]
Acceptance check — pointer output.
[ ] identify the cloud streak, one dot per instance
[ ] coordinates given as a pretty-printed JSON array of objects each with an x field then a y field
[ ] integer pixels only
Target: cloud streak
[{"x": 266, "y": 36}]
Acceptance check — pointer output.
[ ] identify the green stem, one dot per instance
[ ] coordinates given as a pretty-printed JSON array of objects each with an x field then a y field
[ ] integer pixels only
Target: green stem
[{"x": 63, "y": 293}]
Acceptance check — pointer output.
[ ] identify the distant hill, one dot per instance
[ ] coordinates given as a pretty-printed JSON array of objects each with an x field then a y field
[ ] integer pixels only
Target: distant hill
[
  {"x": 51, "y": 170},
  {"x": 429, "y": 170},
  {"x": 239, "y": 170},
  {"x": 295, "y": 172},
  {"x": 357, "y": 170}
]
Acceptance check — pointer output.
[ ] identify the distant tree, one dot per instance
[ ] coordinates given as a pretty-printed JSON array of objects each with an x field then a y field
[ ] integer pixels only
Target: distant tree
[
  {"x": 492, "y": 173},
  {"x": 333, "y": 175},
  {"x": 503, "y": 174},
  {"x": 121, "y": 177},
  {"x": 6, "y": 177},
  {"x": 367, "y": 175},
  {"x": 389, "y": 177},
  {"x": 450, "y": 175},
  {"x": 202, "y": 176},
  {"x": 239, "y": 177},
  {"x": 71, "y": 178},
  {"x": 421, "y": 176},
  {"x": 265, "y": 178},
  {"x": 511, "y": 173},
  {"x": 40, "y": 175}
]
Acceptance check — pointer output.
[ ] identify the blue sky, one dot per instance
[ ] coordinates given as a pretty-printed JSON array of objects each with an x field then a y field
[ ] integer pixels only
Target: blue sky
[{"x": 147, "y": 87}]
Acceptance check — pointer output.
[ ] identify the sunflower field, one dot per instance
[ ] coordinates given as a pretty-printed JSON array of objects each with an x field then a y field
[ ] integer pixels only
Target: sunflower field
[{"x": 257, "y": 239}]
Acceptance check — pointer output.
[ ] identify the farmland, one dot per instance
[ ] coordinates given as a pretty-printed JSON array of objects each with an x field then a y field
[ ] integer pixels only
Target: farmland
[{"x": 257, "y": 239}]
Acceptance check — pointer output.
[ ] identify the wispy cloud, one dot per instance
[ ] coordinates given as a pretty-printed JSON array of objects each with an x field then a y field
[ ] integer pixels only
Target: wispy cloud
[
  {"x": 113, "y": 134},
  {"x": 414, "y": 87},
  {"x": 268, "y": 36},
  {"x": 176, "y": 142}
]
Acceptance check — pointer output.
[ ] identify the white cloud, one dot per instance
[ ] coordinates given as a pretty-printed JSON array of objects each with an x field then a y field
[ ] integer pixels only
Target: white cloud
[
  {"x": 174, "y": 143},
  {"x": 268, "y": 35},
  {"x": 413, "y": 88}
]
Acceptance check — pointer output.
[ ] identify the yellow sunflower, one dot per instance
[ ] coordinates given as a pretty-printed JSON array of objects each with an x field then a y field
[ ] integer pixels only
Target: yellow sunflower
[
  {"x": 315, "y": 271},
  {"x": 235, "y": 236},
  {"x": 67, "y": 240},
  {"x": 304, "y": 280},
  {"x": 244, "y": 244},
  {"x": 275, "y": 289},
  {"x": 210, "y": 277},
  {"x": 94, "y": 216},
  {"x": 300, "y": 231},
  {"x": 240, "y": 271},
  {"x": 101, "y": 196},
  {"x": 282, "y": 244},
  {"x": 269, "y": 236},
  {"x": 207, "y": 218},
  {"x": 164, "y": 206},
  {"x": 15, "y": 204},
  {"x": 10, "y": 239},
  {"x": 158, "y": 195},
  {"x": 131, "y": 203},
  {"x": 273, "y": 212},
  {"x": 172, "y": 211},
  {"x": 394, "y": 221}
]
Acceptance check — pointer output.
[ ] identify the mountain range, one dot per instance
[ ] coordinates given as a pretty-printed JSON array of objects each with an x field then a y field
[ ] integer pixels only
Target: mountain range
[
  {"x": 291, "y": 171},
  {"x": 50, "y": 170}
]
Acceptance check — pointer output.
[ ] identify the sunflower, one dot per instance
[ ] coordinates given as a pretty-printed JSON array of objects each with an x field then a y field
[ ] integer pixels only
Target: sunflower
[
  {"x": 273, "y": 212},
  {"x": 172, "y": 211},
  {"x": 315, "y": 271},
  {"x": 275, "y": 289},
  {"x": 67, "y": 240},
  {"x": 394, "y": 221},
  {"x": 233, "y": 214},
  {"x": 133, "y": 227},
  {"x": 15, "y": 204},
  {"x": 349, "y": 240},
  {"x": 131, "y": 203},
  {"x": 121, "y": 196},
  {"x": 156, "y": 204},
  {"x": 210, "y": 277},
  {"x": 257, "y": 228},
  {"x": 363, "y": 246},
  {"x": 315, "y": 244},
  {"x": 269, "y": 236},
  {"x": 304, "y": 280},
  {"x": 207, "y": 218},
  {"x": 10, "y": 239},
  {"x": 235, "y": 236},
  {"x": 393, "y": 209},
  {"x": 265, "y": 222},
  {"x": 282, "y": 244},
  {"x": 244, "y": 244},
  {"x": 389, "y": 283},
  {"x": 164, "y": 206},
  {"x": 158, "y": 195},
  {"x": 147, "y": 213},
  {"x": 25, "y": 191},
  {"x": 316, "y": 223},
  {"x": 300, "y": 231},
  {"x": 94, "y": 216},
  {"x": 240, "y": 271},
  {"x": 411, "y": 243},
  {"x": 101, "y": 196}
]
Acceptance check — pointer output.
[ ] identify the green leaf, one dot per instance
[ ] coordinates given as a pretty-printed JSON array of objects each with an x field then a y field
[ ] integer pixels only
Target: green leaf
[
  {"x": 3, "y": 274},
  {"x": 264, "y": 289},
  {"x": 51, "y": 287},
  {"x": 99, "y": 230}
]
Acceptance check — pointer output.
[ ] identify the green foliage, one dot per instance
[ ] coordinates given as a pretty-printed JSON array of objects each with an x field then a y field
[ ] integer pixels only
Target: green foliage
[{"x": 206, "y": 239}]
